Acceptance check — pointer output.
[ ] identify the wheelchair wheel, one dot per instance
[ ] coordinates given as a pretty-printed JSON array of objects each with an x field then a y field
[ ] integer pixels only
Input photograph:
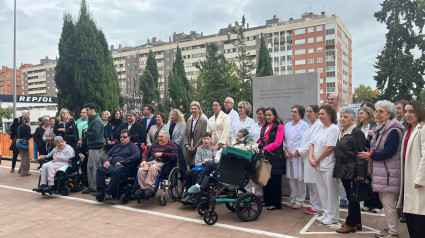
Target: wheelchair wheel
[
  {"x": 162, "y": 200},
  {"x": 175, "y": 184},
  {"x": 203, "y": 207},
  {"x": 230, "y": 206},
  {"x": 248, "y": 207},
  {"x": 210, "y": 217},
  {"x": 124, "y": 198},
  {"x": 65, "y": 191},
  {"x": 100, "y": 198}
]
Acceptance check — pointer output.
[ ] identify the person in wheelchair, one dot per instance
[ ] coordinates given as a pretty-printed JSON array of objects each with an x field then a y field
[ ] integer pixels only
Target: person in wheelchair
[
  {"x": 242, "y": 141},
  {"x": 159, "y": 153},
  {"x": 62, "y": 155},
  {"x": 116, "y": 162}
]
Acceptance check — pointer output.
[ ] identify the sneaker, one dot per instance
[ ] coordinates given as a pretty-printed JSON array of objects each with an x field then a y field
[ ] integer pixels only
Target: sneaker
[
  {"x": 108, "y": 196},
  {"x": 310, "y": 211},
  {"x": 382, "y": 234},
  {"x": 329, "y": 221},
  {"x": 39, "y": 189},
  {"x": 403, "y": 220},
  {"x": 88, "y": 191},
  {"x": 12, "y": 170},
  {"x": 321, "y": 218},
  {"x": 139, "y": 194},
  {"x": 343, "y": 202},
  {"x": 194, "y": 189},
  {"x": 389, "y": 235},
  {"x": 290, "y": 204},
  {"x": 376, "y": 210},
  {"x": 261, "y": 197},
  {"x": 97, "y": 194},
  {"x": 366, "y": 209}
]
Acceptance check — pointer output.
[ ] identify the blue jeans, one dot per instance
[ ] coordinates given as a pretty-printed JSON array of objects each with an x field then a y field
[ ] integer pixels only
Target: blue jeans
[{"x": 112, "y": 172}]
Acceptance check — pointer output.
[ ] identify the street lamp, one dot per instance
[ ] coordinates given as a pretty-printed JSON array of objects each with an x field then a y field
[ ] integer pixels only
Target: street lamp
[{"x": 14, "y": 61}]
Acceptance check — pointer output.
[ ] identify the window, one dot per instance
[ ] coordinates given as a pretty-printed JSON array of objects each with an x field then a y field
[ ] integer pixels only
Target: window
[
  {"x": 319, "y": 28},
  {"x": 319, "y": 60},
  {"x": 300, "y": 52},
  {"x": 218, "y": 42},
  {"x": 300, "y": 71},
  {"x": 299, "y": 31},
  {"x": 311, "y": 61},
  {"x": 310, "y": 40},
  {"x": 311, "y": 51},
  {"x": 320, "y": 70},
  {"x": 319, "y": 49},
  {"x": 167, "y": 51},
  {"x": 319, "y": 39},
  {"x": 299, "y": 62},
  {"x": 311, "y": 70},
  {"x": 310, "y": 29},
  {"x": 300, "y": 42}
]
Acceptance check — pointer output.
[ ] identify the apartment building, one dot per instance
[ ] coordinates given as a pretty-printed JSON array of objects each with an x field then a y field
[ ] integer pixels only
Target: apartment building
[
  {"x": 312, "y": 43},
  {"x": 39, "y": 80},
  {"x": 6, "y": 80}
]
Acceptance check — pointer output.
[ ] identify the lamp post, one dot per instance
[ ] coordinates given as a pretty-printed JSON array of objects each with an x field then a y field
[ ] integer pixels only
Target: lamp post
[{"x": 14, "y": 61}]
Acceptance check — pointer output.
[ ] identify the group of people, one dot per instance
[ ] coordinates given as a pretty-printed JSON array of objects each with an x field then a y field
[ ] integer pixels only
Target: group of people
[{"x": 381, "y": 142}]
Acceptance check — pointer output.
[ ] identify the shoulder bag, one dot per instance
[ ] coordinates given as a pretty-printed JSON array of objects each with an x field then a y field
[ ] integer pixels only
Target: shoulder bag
[
  {"x": 22, "y": 143},
  {"x": 262, "y": 172},
  {"x": 361, "y": 190}
]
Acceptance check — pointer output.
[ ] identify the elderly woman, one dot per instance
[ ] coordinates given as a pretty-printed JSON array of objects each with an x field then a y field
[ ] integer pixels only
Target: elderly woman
[
  {"x": 322, "y": 158},
  {"x": 24, "y": 132},
  {"x": 294, "y": 131},
  {"x": 66, "y": 127},
  {"x": 412, "y": 191},
  {"x": 176, "y": 127},
  {"x": 219, "y": 125},
  {"x": 386, "y": 167},
  {"x": 62, "y": 155},
  {"x": 351, "y": 140},
  {"x": 303, "y": 152},
  {"x": 244, "y": 121},
  {"x": 195, "y": 129},
  {"x": 153, "y": 133},
  {"x": 38, "y": 136}
]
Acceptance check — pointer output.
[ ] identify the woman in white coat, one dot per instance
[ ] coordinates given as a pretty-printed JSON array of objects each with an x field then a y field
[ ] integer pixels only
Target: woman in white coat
[
  {"x": 176, "y": 127},
  {"x": 244, "y": 121},
  {"x": 303, "y": 151},
  {"x": 219, "y": 126},
  {"x": 294, "y": 131},
  {"x": 412, "y": 190}
]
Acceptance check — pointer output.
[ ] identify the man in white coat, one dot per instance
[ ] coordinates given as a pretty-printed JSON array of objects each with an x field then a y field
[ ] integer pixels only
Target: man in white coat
[{"x": 228, "y": 106}]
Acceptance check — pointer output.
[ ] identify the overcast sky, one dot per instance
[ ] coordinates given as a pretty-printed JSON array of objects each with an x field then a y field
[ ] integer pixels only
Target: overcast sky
[{"x": 131, "y": 23}]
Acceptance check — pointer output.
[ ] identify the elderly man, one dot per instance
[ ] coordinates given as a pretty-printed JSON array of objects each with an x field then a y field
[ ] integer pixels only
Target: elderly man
[
  {"x": 124, "y": 152},
  {"x": 62, "y": 155},
  {"x": 228, "y": 105},
  {"x": 136, "y": 130},
  {"x": 161, "y": 152}
]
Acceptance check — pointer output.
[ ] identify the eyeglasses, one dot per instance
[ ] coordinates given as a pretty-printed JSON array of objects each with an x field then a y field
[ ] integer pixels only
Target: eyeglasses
[
  {"x": 240, "y": 107},
  {"x": 123, "y": 137}
]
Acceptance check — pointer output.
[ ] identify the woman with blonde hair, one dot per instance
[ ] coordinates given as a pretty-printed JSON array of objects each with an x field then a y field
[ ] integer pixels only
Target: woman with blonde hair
[
  {"x": 24, "y": 132},
  {"x": 195, "y": 129},
  {"x": 366, "y": 121},
  {"x": 65, "y": 127},
  {"x": 244, "y": 121},
  {"x": 176, "y": 127}
]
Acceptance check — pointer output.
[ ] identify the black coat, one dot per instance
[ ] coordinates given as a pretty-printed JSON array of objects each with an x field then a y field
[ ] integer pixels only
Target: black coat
[
  {"x": 137, "y": 132},
  {"x": 347, "y": 164},
  {"x": 277, "y": 158},
  {"x": 69, "y": 135},
  {"x": 24, "y": 132},
  {"x": 38, "y": 139}
]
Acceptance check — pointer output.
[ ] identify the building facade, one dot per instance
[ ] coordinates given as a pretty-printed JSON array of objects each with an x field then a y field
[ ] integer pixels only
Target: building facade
[
  {"x": 6, "y": 80},
  {"x": 313, "y": 43},
  {"x": 39, "y": 80}
]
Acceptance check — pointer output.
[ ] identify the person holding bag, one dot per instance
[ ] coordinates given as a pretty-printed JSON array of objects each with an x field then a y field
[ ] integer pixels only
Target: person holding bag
[
  {"x": 24, "y": 134},
  {"x": 348, "y": 166}
]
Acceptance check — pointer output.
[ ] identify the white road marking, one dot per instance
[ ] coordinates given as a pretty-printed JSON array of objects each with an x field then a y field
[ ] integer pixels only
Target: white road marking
[{"x": 160, "y": 214}]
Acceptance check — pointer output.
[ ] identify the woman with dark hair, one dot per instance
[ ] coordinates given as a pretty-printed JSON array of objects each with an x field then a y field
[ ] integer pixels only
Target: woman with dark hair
[
  {"x": 294, "y": 131},
  {"x": 13, "y": 137},
  {"x": 219, "y": 125},
  {"x": 271, "y": 138},
  {"x": 24, "y": 132},
  {"x": 412, "y": 191},
  {"x": 114, "y": 123},
  {"x": 368, "y": 104},
  {"x": 153, "y": 133},
  {"x": 255, "y": 130},
  {"x": 322, "y": 158}
]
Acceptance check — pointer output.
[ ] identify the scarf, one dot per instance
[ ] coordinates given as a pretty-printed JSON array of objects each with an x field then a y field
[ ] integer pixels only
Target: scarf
[{"x": 62, "y": 147}]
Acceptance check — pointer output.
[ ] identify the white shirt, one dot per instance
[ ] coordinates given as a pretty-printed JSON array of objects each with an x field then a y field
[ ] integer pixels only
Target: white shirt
[
  {"x": 255, "y": 131},
  {"x": 194, "y": 121},
  {"x": 322, "y": 139},
  {"x": 233, "y": 115},
  {"x": 148, "y": 120},
  {"x": 237, "y": 125}
]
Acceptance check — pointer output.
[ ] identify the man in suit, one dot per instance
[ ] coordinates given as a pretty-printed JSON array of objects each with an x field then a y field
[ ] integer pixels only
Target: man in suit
[
  {"x": 150, "y": 119},
  {"x": 136, "y": 130}
]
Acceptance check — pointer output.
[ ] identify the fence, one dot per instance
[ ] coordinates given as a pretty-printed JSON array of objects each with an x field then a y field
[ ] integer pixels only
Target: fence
[{"x": 5, "y": 142}]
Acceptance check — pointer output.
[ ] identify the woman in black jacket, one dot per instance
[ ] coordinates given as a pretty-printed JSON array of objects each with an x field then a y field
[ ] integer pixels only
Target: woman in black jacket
[
  {"x": 65, "y": 127},
  {"x": 271, "y": 137},
  {"x": 348, "y": 166},
  {"x": 24, "y": 132}
]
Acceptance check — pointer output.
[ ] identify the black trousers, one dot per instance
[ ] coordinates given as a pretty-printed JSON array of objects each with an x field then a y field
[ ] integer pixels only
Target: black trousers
[
  {"x": 190, "y": 177},
  {"x": 354, "y": 215},
  {"x": 273, "y": 192},
  {"x": 15, "y": 157},
  {"x": 415, "y": 225}
]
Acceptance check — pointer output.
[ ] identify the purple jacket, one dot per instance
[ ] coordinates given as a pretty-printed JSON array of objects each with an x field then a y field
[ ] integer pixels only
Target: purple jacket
[{"x": 386, "y": 174}]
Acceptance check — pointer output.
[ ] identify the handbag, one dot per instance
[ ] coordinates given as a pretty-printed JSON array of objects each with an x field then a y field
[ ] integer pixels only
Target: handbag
[
  {"x": 360, "y": 190},
  {"x": 22, "y": 143},
  {"x": 262, "y": 172}
]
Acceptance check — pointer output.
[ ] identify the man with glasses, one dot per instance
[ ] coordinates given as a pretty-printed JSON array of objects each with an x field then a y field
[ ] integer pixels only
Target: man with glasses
[
  {"x": 124, "y": 152},
  {"x": 228, "y": 106},
  {"x": 136, "y": 130}
]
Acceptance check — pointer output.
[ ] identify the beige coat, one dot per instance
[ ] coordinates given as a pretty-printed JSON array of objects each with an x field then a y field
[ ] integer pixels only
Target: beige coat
[
  {"x": 199, "y": 130},
  {"x": 413, "y": 172},
  {"x": 220, "y": 128}
]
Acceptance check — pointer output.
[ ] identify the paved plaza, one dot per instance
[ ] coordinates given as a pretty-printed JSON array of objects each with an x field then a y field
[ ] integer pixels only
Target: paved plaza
[{"x": 25, "y": 213}]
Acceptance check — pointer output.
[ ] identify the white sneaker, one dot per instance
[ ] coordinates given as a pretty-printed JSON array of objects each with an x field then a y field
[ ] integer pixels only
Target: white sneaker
[
  {"x": 376, "y": 210},
  {"x": 366, "y": 209},
  {"x": 329, "y": 221},
  {"x": 321, "y": 218}
]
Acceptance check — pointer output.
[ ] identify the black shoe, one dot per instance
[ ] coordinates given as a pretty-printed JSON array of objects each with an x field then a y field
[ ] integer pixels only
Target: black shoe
[
  {"x": 139, "y": 194},
  {"x": 88, "y": 191},
  {"x": 97, "y": 194},
  {"x": 12, "y": 170},
  {"x": 108, "y": 196},
  {"x": 403, "y": 220},
  {"x": 48, "y": 189},
  {"x": 39, "y": 189},
  {"x": 149, "y": 193}
]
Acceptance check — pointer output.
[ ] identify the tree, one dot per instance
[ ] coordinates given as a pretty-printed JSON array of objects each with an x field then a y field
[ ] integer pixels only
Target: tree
[
  {"x": 245, "y": 61},
  {"x": 399, "y": 72},
  {"x": 85, "y": 71},
  {"x": 149, "y": 82},
  {"x": 217, "y": 79},
  {"x": 5, "y": 113},
  {"x": 178, "y": 85},
  {"x": 365, "y": 93},
  {"x": 264, "y": 65}
]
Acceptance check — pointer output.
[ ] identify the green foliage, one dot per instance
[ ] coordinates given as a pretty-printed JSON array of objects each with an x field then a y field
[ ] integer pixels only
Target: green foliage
[
  {"x": 264, "y": 65},
  {"x": 245, "y": 61},
  {"x": 399, "y": 72},
  {"x": 149, "y": 82},
  {"x": 85, "y": 71},
  {"x": 5, "y": 113},
  {"x": 365, "y": 93},
  {"x": 179, "y": 87},
  {"x": 217, "y": 79}
]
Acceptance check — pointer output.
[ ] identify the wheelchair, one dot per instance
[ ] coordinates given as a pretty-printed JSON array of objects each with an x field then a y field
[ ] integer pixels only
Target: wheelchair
[
  {"x": 67, "y": 179},
  {"x": 227, "y": 185}
]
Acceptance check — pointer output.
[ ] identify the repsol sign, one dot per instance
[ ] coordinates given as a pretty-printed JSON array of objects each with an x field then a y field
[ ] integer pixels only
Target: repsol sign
[{"x": 37, "y": 99}]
